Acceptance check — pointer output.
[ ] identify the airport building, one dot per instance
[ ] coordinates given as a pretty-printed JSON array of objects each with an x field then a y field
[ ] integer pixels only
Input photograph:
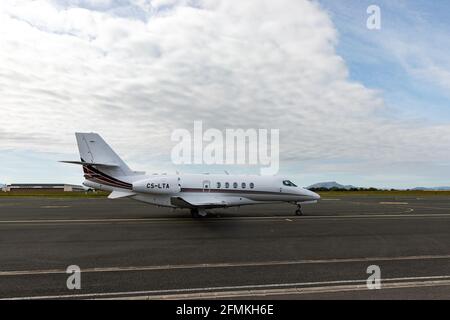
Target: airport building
[{"x": 27, "y": 187}]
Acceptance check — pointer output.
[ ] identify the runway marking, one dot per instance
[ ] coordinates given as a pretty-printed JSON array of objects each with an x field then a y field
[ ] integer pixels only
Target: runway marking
[
  {"x": 285, "y": 291},
  {"x": 394, "y": 203},
  {"x": 402, "y": 215},
  {"x": 256, "y": 290},
  {"x": 224, "y": 265},
  {"x": 433, "y": 208}
]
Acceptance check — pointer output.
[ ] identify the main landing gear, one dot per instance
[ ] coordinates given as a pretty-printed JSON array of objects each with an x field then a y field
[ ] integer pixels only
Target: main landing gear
[
  {"x": 198, "y": 213},
  {"x": 299, "y": 211}
]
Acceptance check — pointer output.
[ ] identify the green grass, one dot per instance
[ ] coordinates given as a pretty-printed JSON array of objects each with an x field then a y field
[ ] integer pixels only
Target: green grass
[{"x": 53, "y": 194}]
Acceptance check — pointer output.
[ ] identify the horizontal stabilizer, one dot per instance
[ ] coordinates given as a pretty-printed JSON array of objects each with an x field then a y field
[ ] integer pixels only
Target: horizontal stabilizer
[
  {"x": 83, "y": 163},
  {"x": 120, "y": 194}
]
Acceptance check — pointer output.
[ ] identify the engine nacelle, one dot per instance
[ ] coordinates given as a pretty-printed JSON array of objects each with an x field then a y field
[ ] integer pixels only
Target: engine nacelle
[{"x": 160, "y": 184}]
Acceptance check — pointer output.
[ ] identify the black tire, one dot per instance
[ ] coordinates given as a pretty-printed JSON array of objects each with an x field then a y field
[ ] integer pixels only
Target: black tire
[
  {"x": 194, "y": 214},
  {"x": 298, "y": 212}
]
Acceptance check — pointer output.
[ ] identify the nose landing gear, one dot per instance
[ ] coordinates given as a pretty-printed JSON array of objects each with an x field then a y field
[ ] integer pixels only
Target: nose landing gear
[{"x": 299, "y": 211}]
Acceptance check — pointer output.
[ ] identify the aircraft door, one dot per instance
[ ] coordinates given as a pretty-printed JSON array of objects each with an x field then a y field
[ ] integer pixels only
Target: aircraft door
[{"x": 206, "y": 185}]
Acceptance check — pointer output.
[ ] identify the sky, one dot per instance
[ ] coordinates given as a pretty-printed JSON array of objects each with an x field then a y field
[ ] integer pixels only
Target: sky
[{"x": 353, "y": 105}]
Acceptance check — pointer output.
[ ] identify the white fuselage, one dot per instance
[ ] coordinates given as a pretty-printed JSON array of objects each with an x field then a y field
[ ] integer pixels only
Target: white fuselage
[{"x": 208, "y": 190}]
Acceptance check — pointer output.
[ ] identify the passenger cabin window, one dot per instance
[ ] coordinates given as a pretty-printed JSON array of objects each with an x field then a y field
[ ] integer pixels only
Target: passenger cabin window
[
  {"x": 218, "y": 185},
  {"x": 227, "y": 185},
  {"x": 252, "y": 185},
  {"x": 235, "y": 185},
  {"x": 243, "y": 185},
  {"x": 288, "y": 183}
]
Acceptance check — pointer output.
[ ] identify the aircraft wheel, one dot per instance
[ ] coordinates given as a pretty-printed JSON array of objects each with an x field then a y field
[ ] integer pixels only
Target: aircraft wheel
[
  {"x": 198, "y": 213},
  {"x": 194, "y": 213},
  {"x": 299, "y": 211}
]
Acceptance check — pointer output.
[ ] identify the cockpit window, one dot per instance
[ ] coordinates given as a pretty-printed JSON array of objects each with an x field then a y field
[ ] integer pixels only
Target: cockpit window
[{"x": 289, "y": 183}]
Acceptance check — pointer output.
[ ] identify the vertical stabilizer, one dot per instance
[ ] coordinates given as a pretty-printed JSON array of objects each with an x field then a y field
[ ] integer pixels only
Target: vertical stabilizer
[{"x": 93, "y": 149}]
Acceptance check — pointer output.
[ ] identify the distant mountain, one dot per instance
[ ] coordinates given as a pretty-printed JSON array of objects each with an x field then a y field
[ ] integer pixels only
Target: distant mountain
[
  {"x": 335, "y": 185},
  {"x": 330, "y": 185},
  {"x": 432, "y": 189}
]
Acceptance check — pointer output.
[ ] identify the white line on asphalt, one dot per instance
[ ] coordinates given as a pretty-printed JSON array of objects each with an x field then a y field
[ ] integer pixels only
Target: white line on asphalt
[
  {"x": 225, "y": 265},
  {"x": 54, "y": 207},
  {"x": 244, "y": 290},
  {"x": 272, "y": 218},
  {"x": 285, "y": 291}
]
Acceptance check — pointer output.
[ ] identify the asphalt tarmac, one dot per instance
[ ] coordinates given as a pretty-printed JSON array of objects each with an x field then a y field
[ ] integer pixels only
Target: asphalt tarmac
[{"x": 126, "y": 249}]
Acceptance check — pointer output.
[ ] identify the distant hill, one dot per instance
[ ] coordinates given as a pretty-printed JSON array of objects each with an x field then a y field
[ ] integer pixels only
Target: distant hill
[
  {"x": 432, "y": 189},
  {"x": 337, "y": 186},
  {"x": 330, "y": 185}
]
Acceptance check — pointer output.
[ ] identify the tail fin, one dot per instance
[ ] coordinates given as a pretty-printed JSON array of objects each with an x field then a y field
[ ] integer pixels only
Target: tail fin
[
  {"x": 101, "y": 165},
  {"x": 95, "y": 151}
]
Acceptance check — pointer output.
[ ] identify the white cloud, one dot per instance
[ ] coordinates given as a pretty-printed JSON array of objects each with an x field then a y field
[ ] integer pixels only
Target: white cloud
[
  {"x": 79, "y": 66},
  {"x": 413, "y": 36},
  {"x": 435, "y": 74}
]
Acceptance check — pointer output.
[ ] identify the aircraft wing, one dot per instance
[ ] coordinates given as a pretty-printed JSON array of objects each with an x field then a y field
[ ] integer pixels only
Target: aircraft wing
[
  {"x": 190, "y": 201},
  {"x": 120, "y": 194}
]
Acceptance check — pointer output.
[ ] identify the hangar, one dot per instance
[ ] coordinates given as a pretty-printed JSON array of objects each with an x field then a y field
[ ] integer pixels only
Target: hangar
[{"x": 47, "y": 187}]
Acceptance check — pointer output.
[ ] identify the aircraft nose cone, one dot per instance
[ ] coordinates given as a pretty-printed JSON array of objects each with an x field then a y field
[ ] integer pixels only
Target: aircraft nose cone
[
  {"x": 312, "y": 195},
  {"x": 315, "y": 196}
]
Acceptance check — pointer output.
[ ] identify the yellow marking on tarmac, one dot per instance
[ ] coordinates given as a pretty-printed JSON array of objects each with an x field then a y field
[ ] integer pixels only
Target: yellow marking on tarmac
[
  {"x": 226, "y": 265},
  {"x": 394, "y": 203}
]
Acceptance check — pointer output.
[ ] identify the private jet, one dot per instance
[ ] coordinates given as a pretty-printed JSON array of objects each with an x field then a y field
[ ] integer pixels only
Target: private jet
[{"x": 105, "y": 170}]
